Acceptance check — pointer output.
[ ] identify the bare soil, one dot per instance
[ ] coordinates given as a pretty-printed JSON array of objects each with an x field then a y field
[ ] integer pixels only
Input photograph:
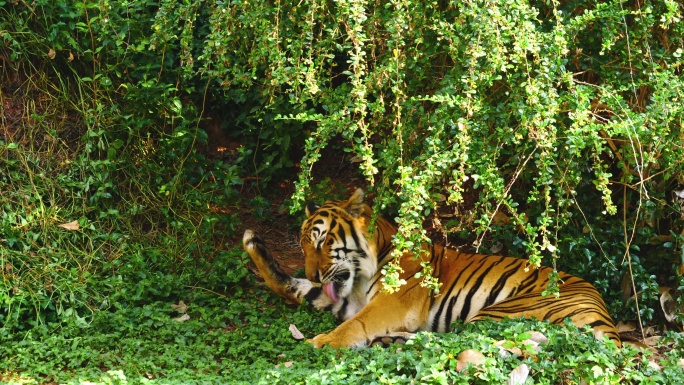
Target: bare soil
[{"x": 280, "y": 231}]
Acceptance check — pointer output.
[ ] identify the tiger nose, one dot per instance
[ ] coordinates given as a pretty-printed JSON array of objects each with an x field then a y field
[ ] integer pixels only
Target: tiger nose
[{"x": 316, "y": 277}]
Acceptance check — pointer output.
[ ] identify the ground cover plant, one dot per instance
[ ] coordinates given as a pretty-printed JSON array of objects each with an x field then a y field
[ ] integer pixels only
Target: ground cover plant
[
  {"x": 139, "y": 136},
  {"x": 246, "y": 340}
]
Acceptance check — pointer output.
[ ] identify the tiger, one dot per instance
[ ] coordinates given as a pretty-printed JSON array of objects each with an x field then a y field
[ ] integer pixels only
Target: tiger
[{"x": 343, "y": 268}]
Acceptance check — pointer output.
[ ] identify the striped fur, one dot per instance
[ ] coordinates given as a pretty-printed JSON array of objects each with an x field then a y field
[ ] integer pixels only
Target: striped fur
[{"x": 343, "y": 269}]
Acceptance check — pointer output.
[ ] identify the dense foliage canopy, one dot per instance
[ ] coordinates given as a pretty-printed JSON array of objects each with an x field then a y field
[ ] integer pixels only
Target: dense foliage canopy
[{"x": 565, "y": 116}]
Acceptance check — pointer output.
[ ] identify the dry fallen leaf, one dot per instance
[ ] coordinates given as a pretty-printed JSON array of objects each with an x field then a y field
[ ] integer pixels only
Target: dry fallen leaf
[
  {"x": 504, "y": 351},
  {"x": 529, "y": 344},
  {"x": 181, "y": 307},
  {"x": 653, "y": 365},
  {"x": 73, "y": 225},
  {"x": 652, "y": 342},
  {"x": 519, "y": 375},
  {"x": 500, "y": 218},
  {"x": 470, "y": 356},
  {"x": 624, "y": 327},
  {"x": 626, "y": 286},
  {"x": 496, "y": 247},
  {"x": 71, "y": 56},
  {"x": 296, "y": 334},
  {"x": 668, "y": 303},
  {"x": 51, "y": 53},
  {"x": 285, "y": 364},
  {"x": 538, "y": 337},
  {"x": 182, "y": 318}
]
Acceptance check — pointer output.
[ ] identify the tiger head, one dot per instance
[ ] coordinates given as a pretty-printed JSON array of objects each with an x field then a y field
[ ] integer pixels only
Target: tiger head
[{"x": 336, "y": 250}]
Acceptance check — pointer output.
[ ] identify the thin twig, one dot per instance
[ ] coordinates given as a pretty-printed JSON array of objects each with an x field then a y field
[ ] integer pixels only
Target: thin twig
[{"x": 508, "y": 188}]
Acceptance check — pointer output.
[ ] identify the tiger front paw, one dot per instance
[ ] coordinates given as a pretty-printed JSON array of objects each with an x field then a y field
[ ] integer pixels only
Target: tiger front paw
[
  {"x": 332, "y": 339},
  {"x": 250, "y": 240},
  {"x": 256, "y": 249},
  {"x": 320, "y": 341}
]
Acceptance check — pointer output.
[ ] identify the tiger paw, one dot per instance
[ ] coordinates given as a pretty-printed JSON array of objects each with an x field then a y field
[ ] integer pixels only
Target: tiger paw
[
  {"x": 333, "y": 341},
  {"x": 256, "y": 249},
  {"x": 322, "y": 340},
  {"x": 251, "y": 241},
  {"x": 319, "y": 341}
]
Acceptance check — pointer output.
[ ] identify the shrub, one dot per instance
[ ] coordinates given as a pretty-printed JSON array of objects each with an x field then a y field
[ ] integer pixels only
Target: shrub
[
  {"x": 106, "y": 197},
  {"x": 565, "y": 116}
]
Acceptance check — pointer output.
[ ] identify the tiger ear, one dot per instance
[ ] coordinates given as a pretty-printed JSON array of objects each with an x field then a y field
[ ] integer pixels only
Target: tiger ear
[
  {"x": 311, "y": 208},
  {"x": 355, "y": 205}
]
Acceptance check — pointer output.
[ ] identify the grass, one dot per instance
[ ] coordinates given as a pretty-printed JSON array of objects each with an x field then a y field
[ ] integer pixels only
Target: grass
[
  {"x": 225, "y": 338},
  {"x": 243, "y": 337}
]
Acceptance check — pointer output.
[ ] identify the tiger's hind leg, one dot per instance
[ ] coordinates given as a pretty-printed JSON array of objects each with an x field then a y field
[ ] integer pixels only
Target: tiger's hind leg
[
  {"x": 579, "y": 301},
  {"x": 295, "y": 290}
]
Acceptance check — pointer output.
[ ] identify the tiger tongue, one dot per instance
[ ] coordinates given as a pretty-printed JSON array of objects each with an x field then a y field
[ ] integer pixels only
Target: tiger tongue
[{"x": 329, "y": 290}]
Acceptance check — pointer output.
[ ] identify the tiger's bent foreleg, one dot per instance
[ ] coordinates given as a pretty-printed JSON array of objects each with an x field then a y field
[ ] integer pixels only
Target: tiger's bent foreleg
[
  {"x": 295, "y": 290},
  {"x": 384, "y": 320}
]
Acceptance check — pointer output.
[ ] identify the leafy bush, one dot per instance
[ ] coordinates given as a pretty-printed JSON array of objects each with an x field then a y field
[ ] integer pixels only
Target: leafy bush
[
  {"x": 565, "y": 116},
  {"x": 106, "y": 198}
]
